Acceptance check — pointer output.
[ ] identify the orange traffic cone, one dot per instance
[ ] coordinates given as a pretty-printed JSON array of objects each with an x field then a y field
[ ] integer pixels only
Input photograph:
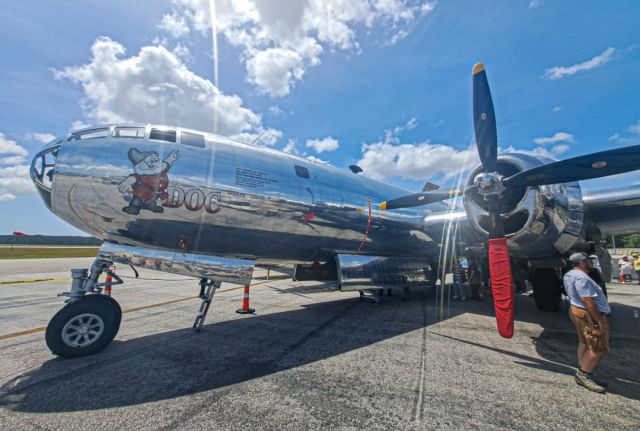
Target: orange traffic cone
[{"x": 245, "y": 303}]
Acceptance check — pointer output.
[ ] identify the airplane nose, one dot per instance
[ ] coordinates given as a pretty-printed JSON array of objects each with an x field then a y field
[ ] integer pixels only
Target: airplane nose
[{"x": 43, "y": 170}]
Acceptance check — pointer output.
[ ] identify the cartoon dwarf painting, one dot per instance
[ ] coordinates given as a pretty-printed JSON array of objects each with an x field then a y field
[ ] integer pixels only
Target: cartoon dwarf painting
[{"x": 149, "y": 180}]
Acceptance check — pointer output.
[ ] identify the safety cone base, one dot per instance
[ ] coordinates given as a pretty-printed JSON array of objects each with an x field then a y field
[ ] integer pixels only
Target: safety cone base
[{"x": 247, "y": 311}]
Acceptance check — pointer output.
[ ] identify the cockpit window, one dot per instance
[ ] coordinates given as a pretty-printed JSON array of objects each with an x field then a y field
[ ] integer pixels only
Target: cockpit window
[
  {"x": 163, "y": 135},
  {"x": 302, "y": 172},
  {"x": 193, "y": 139},
  {"x": 129, "y": 132},
  {"x": 89, "y": 134}
]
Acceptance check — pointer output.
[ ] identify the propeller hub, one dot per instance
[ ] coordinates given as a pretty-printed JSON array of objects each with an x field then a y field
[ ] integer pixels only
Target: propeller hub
[{"x": 489, "y": 184}]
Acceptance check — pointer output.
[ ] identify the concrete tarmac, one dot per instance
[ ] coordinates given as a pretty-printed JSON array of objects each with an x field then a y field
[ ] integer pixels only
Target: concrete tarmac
[{"x": 310, "y": 358}]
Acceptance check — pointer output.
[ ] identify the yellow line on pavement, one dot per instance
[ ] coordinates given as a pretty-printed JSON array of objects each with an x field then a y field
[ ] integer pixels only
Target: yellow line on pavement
[
  {"x": 25, "y": 332},
  {"x": 33, "y": 280}
]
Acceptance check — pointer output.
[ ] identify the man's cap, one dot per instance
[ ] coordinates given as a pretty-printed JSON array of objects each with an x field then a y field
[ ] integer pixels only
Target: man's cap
[
  {"x": 577, "y": 257},
  {"x": 634, "y": 254},
  {"x": 593, "y": 257},
  {"x": 136, "y": 156}
]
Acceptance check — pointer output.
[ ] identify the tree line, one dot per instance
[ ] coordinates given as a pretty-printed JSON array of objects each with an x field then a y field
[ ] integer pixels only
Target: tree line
[
  {"x": 49, "y": 240},
  {"x": 621, "y": 241}
]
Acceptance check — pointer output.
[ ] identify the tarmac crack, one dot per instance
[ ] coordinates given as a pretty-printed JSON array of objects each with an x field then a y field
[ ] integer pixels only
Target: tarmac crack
[{"x": 418, "y": 407}]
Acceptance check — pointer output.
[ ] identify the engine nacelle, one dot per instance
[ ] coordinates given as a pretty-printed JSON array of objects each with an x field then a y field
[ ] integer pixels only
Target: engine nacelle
[{"x": 538, "y": 221}]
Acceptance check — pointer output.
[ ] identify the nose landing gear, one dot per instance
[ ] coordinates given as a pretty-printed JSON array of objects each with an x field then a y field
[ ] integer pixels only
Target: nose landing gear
[
  {"x": 90, "y": 320},
  {"x": 84, "y": 327}
]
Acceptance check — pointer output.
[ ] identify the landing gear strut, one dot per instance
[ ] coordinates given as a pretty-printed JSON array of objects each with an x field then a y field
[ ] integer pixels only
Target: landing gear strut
[
  {"x": 88, "y": 323},
  {"x": 207, "y": 290}
]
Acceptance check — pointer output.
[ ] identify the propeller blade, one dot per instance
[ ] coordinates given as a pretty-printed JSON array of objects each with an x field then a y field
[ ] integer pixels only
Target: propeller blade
[
  {"x": 501, "y": 285},
  {"x": 594, "y": 165},
  {"x": 500, "y": 271},
  {"x": 484, "y": 120},
  {"x": 421, "y": 198}
]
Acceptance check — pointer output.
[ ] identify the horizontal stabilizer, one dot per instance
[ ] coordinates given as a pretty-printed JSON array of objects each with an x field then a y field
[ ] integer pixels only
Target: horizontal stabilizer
[{"x": 428, "y": 186}]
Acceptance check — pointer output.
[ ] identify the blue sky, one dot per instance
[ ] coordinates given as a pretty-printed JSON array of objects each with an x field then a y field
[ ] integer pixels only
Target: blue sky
[{"x": 385, "y": 84}]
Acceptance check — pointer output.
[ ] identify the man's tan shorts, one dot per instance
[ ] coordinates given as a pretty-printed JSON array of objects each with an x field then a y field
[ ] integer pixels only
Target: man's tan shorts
[{"x": 584, "y": 327}]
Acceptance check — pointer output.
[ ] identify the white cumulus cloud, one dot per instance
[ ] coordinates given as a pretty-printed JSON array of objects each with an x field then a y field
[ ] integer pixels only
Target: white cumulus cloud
[
  {"x": 14, "y": 172},
  {"x": 275, "y": 70},
  {"x": 315, "y": 159},
  {"x": 267, "y": 137},
  {"x": 12, "y": 160},
  {"x": 281, "y": 38},
  {"x": 557, "y": 137},
  {"x": 560, "y": 149},
  {"x": 552, "y": 153},
  {"x": 156, "y": 86},
  {"x": 323, "y": 145},
  {"x": 7, "y": 146},
  {"x": 290, "y": 147},
  {"x": 173, "y": 24},
  {"x": 558, "y": 72},
  {"x": 389, "y": 158},
  {"x": 45, "y": 138},
  {"x": 630, "y": 135}
]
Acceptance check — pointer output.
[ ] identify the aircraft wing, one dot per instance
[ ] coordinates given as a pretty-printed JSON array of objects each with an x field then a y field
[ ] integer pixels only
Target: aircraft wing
[{"x": 614, "y": 211}]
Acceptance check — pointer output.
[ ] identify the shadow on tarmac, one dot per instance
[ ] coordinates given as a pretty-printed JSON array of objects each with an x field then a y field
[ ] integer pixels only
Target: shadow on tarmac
[{"x": 178, "y": 363}]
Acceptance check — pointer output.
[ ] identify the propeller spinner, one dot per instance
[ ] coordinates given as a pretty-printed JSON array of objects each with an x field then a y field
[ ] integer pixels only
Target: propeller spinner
[{"x": 491, "y": 185}]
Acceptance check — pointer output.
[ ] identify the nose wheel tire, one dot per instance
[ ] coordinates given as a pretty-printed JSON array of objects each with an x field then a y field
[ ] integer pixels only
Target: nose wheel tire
[{"x": 84, "y": 327}]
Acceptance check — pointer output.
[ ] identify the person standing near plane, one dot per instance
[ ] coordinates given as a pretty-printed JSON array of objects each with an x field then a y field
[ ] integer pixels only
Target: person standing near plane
[
  {"x": 475, "y": 277},
  {"x": 458, "y": 279},
  {"x": 626, "y": 269},
  {"x": 596, "y": 275},
  {"x": 588, "y": 312}
]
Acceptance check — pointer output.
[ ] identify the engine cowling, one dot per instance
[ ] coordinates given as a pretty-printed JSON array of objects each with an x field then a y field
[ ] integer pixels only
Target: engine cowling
[{"x": 538, "y": 221}]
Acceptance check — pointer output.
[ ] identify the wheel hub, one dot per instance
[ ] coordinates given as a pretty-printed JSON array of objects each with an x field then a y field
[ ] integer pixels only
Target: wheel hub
[{"x": 83, "y": 330}]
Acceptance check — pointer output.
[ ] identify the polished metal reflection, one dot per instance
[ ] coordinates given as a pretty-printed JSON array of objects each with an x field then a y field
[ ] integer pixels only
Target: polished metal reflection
[
  {"x": 237, "y": 271},
  {"x": 546, "y": 221},
  {"x": 228, "y": 199},
  {"x": 614, "y": 211},
  {"x": 356, "y": 272}
]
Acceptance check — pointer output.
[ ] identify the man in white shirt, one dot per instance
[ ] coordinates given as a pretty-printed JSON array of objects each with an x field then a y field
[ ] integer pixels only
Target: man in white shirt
[
  {"x": 626, "y": 268},
  {"x": 588, "y": 312}
]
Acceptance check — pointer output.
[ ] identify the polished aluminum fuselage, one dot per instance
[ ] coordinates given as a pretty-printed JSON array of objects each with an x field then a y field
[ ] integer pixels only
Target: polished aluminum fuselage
[
  {"x": 234, "y": 199},
  {"x": 223, "y": 198}
]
